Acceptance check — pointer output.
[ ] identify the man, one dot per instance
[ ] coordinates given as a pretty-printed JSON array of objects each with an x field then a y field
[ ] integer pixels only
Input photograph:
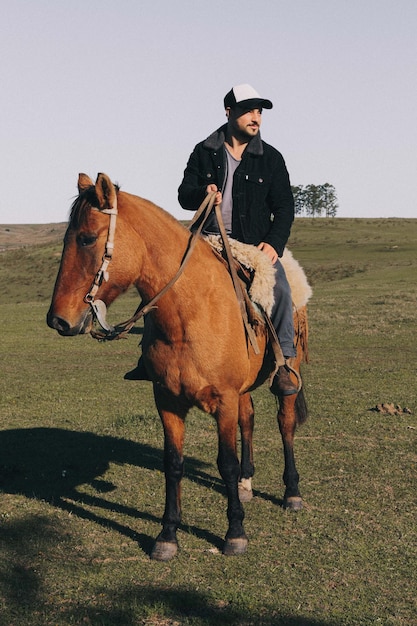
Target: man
[{"x": 253, "y": 187}]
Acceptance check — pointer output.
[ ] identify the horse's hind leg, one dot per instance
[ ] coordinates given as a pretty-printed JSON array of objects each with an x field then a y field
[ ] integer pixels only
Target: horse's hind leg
[
  {"x": 173, "y": 420},
  {"x": 247, "y": 470},
  {"x": 287, "y": 420}
]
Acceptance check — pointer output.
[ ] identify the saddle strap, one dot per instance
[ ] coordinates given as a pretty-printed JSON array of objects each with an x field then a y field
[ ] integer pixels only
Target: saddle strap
[
  {"x": 276, "y": 348},
  {"x": 235, "y": 279},
  {"x": 273, "y": 339}
]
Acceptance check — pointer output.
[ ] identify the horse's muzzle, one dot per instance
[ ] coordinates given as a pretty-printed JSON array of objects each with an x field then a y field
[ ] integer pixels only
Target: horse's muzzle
[{"x": 68, "y": 329}]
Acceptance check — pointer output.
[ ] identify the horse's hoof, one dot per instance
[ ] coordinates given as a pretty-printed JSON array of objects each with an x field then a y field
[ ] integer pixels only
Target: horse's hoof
[
  {"x": 293, "y": 503},
  {"x": 245, "y": 491},
  {"x": 164, "y": 551},
  {"x": 233, "y": 547}
]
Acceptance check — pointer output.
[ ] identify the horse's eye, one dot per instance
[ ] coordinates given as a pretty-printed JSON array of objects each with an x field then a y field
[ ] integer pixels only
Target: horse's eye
[{"x": 86, "y": 240}]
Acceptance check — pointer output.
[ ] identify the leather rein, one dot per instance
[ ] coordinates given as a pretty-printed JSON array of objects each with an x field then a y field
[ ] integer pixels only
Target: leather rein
[{"x": 99, "y": 308}]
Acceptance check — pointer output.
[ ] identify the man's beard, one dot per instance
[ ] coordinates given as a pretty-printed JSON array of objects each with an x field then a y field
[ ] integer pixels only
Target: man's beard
[{"x": 246, "y": 134}]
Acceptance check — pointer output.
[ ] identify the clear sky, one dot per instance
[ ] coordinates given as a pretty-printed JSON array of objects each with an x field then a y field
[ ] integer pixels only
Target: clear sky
[{"x": 128, "y": 87}]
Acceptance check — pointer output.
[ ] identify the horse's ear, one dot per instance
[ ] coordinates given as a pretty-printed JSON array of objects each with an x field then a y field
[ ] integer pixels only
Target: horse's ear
[
  {"x": 105, "y": 192},
  {"x": 84, "y": 182}
]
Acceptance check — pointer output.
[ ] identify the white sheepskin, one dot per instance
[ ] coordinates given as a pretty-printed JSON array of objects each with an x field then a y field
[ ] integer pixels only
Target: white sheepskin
[
  {"x": 261, "y": 290},
  {"x": 300, "y": 289}
]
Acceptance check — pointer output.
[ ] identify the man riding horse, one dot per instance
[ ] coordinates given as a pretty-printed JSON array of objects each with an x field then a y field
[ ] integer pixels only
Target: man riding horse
[{"x": 252, "y": 186}]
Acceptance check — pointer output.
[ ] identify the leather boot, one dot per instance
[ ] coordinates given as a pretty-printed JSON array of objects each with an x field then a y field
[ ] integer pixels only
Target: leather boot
[
  {"x": 138, "y": 373},
  {"x": 282, "y": 385}
]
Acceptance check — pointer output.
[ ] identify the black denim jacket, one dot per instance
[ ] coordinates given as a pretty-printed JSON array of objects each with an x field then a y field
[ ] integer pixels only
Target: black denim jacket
[{"x": 263, "y": 204}]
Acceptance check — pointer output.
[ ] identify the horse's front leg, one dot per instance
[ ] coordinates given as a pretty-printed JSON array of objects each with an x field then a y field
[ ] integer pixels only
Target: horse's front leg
[
  {"x": 287, "y": 420},
  {"x": 229, "y": 467},
  {"x": 173, "y": 421},
  {"x": 247, "y": 470}
]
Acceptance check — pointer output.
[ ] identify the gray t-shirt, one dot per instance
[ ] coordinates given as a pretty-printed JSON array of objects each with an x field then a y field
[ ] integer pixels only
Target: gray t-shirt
[{"x": 227, "y": 202}]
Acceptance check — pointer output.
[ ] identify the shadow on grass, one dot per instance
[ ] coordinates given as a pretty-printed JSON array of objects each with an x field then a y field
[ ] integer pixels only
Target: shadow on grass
[
  {"x": 181, "y": 606},
  {"x": 24, "y": 544},
  {"x": 48, "y": 464}
]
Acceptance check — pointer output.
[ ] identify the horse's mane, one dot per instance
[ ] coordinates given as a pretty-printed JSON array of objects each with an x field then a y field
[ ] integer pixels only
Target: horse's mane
[{"x": 82, "y": 205}]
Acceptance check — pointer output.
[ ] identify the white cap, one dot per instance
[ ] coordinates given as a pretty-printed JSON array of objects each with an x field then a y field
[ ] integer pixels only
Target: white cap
[{"x": 245, "y": 96}]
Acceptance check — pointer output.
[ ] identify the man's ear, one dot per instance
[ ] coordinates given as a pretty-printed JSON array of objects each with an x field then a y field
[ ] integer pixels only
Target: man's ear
[{"x": 227, "y": 112}]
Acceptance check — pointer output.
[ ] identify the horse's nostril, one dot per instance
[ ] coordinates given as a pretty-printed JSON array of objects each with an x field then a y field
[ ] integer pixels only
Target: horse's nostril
[
  {"x": 57, "y": 323},
  {"x": 66, "y": 328}
]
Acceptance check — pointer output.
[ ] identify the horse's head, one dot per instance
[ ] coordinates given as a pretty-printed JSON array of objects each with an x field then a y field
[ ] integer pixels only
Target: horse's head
[{"x": 84, "y": 246}]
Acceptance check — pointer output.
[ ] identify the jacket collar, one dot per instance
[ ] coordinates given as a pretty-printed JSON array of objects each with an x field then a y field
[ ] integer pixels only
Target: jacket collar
[{"x": 216, "y": 140}]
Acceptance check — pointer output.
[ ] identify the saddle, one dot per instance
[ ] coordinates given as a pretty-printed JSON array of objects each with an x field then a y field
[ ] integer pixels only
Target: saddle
[
  {"x": 253, "y": 279},
  {"x": 252, "y": 267},
  {"x": 246, "y": 276}
]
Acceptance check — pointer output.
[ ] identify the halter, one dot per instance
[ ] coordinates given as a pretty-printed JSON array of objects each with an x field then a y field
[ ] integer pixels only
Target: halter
[
  {"x": 100, "y": 310},
  {"x": 98, "y": 306}
]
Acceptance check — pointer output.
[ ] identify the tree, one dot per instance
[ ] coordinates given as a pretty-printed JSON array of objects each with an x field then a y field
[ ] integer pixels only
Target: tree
[
  {"x": 315, "y": 200},
  {"x": 298, "y": 193},
  {"x": 330, "y": 200}
]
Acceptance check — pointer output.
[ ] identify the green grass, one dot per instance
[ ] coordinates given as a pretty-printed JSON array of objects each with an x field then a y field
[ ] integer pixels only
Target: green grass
[{"x": 82, "y": 488}]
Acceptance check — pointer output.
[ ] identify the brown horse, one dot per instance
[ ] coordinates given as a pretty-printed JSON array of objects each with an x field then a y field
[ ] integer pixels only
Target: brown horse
[{"x": 195, "y": 348}]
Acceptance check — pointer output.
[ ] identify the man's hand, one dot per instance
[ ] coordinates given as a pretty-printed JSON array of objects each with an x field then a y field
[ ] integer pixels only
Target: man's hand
[
  {"x": 212, "y": 188},
  {"x": 270, "y": 252}
]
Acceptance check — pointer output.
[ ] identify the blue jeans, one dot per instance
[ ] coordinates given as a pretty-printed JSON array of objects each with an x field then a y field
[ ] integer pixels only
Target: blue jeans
[{"x": 282, "y": 314}]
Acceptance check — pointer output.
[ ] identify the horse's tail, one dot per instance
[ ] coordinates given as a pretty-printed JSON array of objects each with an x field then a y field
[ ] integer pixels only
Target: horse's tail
[
  {"x": 301, "y": 332},
  {"x": 301, "y": 340},
  {"x": 301, "y": 410}
]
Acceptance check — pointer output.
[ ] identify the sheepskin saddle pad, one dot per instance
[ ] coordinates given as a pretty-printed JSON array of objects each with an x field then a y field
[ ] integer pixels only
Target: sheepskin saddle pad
[{"x": 261, "y": 290}]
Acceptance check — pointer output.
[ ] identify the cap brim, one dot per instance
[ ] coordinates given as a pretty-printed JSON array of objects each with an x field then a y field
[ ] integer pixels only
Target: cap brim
[{"x": 254, "y": 103}]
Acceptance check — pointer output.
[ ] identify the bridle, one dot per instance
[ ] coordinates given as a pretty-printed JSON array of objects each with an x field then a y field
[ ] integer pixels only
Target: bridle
[
  {"x": 119, "y": 331},
  {"x": 99, "y": 308}
]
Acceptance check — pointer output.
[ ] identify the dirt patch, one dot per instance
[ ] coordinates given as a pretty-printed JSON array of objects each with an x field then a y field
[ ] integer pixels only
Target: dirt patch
[{"x": 389, "y": 408}]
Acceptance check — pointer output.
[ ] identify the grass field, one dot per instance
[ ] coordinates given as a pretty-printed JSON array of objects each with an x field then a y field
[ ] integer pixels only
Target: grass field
[{"x": 82, "y": 488}]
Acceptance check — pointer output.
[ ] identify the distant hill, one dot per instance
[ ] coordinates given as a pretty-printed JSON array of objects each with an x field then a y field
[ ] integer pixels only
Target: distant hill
[
  {"x": 329, "y": 250},
  {"x": 14, "y": 236}
]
